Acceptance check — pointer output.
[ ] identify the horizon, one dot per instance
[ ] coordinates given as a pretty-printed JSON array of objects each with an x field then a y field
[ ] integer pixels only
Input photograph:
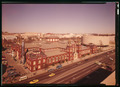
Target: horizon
[{"x": 59, "y": 18}]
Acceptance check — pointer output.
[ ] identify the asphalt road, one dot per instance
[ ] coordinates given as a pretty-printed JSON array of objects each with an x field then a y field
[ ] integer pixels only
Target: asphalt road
[
  {"x": 75, "y": 70},
  {"x": 72, "y": 78}
]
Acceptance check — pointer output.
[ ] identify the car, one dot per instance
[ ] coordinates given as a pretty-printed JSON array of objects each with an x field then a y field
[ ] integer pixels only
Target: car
[
  {"x": 109, "y": 68},
  {"x": 86, "y": 59},
  {"x": 15, "y": 59},
  {"x": 12, "y": 74},
  {"x": 52, "y": 74},
  {"x": 11, "y": 70},
  {"x": 59, "y": 66},
  {"x": 50, "y": 70},
  {"x": 25, "y": 67},
  {"x": 34, "y": 81},
  {"x": 10, "y": 66},
  {"x": 97, "y": 62},
  {"x": 23, "y": 78},
  {"x": 79, "y": 63}
]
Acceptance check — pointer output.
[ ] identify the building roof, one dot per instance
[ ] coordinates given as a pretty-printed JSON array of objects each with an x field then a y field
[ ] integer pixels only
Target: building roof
[
  {"x": 83, "y": 47},
  {"x": 32, "y": 45},
  {"x": 54, "y": 52},
  {"x": 50, "y": 37},
  {"x": 53, "y": 45},
  {"x": 46, "y": 45}
]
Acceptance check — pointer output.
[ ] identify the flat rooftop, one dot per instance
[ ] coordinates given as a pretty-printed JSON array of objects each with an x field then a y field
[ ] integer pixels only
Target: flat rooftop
[
  {"x": 54, "y": 52},
  {"x": 110, "y": 80}
]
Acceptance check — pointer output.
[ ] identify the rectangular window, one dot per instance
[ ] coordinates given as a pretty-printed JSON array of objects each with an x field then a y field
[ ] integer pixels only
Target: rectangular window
[
  {"x": 49, "y": 60},
  {"x": 30, "y": 62},
  {"x": 63, "y": 57},
  {"x": 34, "y": 62},
  {"x": 53, "y": 59},
  {"x": 43, "y": 60},
  {"x": 30, "y": 68},
  {"x": 34, "y": 68},
  {"x": 38, "y": 66},
  {"x": 56, "y": 58},
  {"x": 39, "y": 61},
  {"x": 59, "y": 57}
]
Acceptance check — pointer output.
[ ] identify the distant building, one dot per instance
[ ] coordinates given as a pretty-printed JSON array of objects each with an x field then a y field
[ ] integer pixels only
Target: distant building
[
  {"x": 98, "y": 40},
  {"x": 52, "y": 39},
  {"x": 9, "y": 37}
]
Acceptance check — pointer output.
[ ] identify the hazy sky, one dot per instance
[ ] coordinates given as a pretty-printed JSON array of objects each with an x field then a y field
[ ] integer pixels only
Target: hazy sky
[{"x": 59, "y": 18}]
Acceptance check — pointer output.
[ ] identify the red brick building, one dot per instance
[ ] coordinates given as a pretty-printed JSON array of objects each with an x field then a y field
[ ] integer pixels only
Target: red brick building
[
  {"x": 43, "y": 56},
  {"x": 17, "y": 48}
]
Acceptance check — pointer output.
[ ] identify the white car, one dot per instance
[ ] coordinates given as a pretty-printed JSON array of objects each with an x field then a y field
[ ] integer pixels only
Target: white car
[{"x": 97, "y": 62}]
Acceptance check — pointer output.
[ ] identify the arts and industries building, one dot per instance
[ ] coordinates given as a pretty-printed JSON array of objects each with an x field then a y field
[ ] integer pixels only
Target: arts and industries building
[{"x": 41, "y": 54}]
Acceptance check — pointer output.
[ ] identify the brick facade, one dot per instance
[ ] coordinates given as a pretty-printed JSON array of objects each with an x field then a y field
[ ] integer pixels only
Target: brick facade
[{"x": 37, "y": 60}]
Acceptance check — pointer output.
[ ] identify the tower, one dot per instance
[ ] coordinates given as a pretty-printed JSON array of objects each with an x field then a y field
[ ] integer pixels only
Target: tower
[
  {"x": 70, "y": 50},
  {"x": 78, "y": 46},
  {"x": 23, "y": 52}
]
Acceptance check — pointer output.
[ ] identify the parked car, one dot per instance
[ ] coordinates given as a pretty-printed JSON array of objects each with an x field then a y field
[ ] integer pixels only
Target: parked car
[
  {"x": 78, "y": 63},
  {"x": 59, "y": 66},
  {"x": 52, "y": 74},
  {"x": 11, "y": 70},
  {"x": 23, "y": 78},
  {"x": 15, "y": 59},
  {"x": 10, "y": 66},
  {"x": 34, "y": 81},
  {"x": 86, "y": 59},
  {"x": 97, "y": 62},
  {"x": 12, "y": 74},
  {"x": 50, "y": 70},
  {"x": 25, "y": 67}
]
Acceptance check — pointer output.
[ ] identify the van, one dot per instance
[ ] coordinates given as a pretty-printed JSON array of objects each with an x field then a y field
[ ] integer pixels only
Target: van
[
  {"x": 23, "y": 78},
  {"x": 50, "y": 70}
]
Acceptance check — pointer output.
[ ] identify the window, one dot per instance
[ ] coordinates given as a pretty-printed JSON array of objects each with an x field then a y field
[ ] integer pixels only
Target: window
[
  {"x": 59, "y": 57},
  {"x": 34, "y": 62},
  {"x": 39, "y": 61},
  {"x": 63, "y": 57},
  {"x": 56, "y": 58},
  {"x": 30, "y": 62},
  {"x": 49, "y": 60},
  {"x": 38, "y": 66},
  {"x": 53, "y": 59},
  {"x": 34, "y": 68},
  {"x": 43, "y": 60},
  {"x": 30, "y": 68}
]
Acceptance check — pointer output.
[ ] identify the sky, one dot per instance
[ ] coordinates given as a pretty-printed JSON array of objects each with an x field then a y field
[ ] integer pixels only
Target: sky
[{"x": 58, "y": 18}]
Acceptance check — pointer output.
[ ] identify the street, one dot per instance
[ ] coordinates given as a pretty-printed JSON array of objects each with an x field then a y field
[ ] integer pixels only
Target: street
[{"x": 71, "y": 73}]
